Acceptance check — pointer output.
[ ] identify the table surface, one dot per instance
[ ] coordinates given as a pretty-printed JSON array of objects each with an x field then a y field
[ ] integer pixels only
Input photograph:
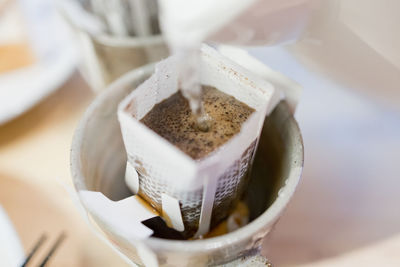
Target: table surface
[
  {"x": 34, "y": 172},
  {"x": 344, "y": 213}
]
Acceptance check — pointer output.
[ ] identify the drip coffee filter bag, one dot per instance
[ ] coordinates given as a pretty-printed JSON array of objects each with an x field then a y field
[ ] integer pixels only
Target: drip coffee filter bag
[{"x": 193, "y": 195}]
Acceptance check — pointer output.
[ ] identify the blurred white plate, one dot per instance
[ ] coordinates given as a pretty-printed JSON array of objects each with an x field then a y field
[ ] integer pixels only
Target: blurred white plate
[
  {"x": 52, "y": 42},
  {"x": 11, "y": 252}
]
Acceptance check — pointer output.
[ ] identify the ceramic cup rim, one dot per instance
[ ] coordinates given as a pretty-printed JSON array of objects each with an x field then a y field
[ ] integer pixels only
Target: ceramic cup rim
[{"x": 268, "y": 217}]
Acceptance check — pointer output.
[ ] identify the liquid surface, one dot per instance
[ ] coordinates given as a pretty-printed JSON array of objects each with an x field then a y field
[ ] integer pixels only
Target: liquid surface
[{"x": 173, "y": 120}]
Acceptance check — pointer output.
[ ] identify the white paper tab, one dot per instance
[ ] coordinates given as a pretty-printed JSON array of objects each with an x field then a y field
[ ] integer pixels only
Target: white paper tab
[
  {"x": 172, "y": 212},
  {"x": 124, "y": 216},
  {"x": 131, "y": 178},
  {"x": 209, "y": 189}
]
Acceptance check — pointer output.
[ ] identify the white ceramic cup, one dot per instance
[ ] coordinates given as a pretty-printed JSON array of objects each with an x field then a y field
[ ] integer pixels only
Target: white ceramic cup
[{"x": 98, "y": 161}]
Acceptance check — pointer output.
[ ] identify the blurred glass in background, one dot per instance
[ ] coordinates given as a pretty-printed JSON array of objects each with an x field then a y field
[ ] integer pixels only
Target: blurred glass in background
[{"x": 115, "y": 36}]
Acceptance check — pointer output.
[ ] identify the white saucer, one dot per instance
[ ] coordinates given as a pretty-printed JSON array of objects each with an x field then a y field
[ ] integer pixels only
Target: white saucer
[
  {"x": 22, "y": 89},
  {"x": 11, "y": 251}
]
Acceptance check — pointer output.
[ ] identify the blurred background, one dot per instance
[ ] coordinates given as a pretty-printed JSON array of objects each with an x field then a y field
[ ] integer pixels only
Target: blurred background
[{"x": 56, "y": 56}]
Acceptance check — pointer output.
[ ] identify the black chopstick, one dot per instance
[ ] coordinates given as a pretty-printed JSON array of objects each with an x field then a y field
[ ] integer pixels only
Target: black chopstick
[
  {"x": 56, "y": 244},
  {"x": 38, "y": 244}
]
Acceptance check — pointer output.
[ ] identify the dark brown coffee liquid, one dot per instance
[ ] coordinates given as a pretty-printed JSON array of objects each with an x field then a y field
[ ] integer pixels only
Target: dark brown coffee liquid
[{"x": 172, "y": 119}]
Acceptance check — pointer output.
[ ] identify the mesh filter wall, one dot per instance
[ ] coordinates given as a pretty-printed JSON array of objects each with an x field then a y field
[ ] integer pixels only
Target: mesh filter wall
[{"x": 231, "y": 185}]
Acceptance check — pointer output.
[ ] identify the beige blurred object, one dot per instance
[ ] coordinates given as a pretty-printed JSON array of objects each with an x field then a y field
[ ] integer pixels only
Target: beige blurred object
[
  {"x": 15, "y": 50},
  {"x": 15, "y": 56},
  {"x": 34, "y": 156}
]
